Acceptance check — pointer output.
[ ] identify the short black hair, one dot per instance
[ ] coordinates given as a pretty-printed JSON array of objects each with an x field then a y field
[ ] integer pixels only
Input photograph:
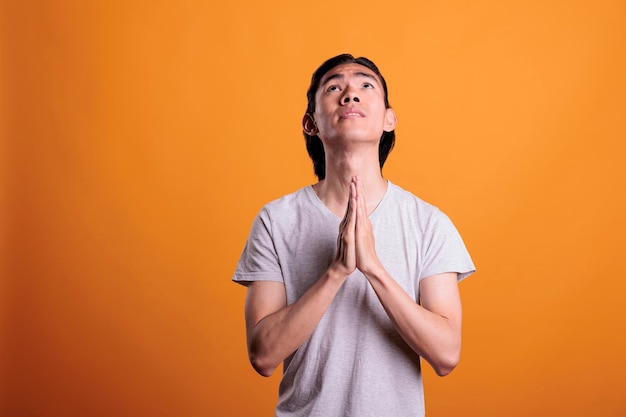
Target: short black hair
[{"x": 314, "y": 145}]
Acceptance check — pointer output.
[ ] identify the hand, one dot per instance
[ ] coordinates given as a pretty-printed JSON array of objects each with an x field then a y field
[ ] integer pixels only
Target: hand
[
  {"x": 366, "y": 258},
  {"x": 345, "y": 258}
]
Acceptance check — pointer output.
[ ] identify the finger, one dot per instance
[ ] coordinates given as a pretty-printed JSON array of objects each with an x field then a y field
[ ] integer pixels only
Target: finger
[
  {"x": 349, "y": 207},
  {"x": 351, "y": 192},
  {"x": 361, "y": 201},
  {"x": 355, "y": 181},
  {"x": 352, "y": 202},
  {"x": 360, "y": 187}
]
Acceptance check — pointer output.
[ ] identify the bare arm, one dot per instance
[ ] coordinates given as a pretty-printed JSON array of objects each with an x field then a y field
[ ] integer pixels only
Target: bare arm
[
  {"x": 274, "y": 329},
  {"x": 433, "y": 330}
]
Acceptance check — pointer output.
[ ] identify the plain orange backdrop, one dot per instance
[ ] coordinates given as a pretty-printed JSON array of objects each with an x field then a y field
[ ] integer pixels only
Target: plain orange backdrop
[{"x": 140, "y": 139}]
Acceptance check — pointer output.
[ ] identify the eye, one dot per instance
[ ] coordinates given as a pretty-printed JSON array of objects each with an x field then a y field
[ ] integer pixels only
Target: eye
[
  {"x": 332, "y": 88},
  {"x": 368, "y": 85}
]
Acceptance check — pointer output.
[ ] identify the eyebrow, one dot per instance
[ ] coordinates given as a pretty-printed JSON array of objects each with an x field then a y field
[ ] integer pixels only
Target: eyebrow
[{"x": 340, "y": 75}]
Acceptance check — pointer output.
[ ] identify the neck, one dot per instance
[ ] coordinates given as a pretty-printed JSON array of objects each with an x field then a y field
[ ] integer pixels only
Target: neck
[{"x": 340, "y": 168}]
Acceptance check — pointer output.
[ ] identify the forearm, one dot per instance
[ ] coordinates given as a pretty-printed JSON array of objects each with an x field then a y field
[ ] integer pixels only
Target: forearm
[
  {"x": 277, "y": 335},
  {"x": 433, "y": 336}
]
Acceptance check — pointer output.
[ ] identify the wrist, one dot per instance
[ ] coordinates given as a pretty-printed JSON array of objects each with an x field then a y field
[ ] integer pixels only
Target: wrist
[
  {"x": 373, "y": 272},
  {"x": 337, "y": 272}
]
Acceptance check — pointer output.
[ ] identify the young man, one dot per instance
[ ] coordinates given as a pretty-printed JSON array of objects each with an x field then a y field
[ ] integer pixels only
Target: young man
[{"x": 353, "y": 279}]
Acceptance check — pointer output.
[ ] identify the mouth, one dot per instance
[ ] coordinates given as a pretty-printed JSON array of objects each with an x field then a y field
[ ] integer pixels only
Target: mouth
[{"x": 351, "y": 114}]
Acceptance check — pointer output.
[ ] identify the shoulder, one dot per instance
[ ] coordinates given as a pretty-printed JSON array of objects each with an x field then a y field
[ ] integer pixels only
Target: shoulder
[
  {"x": 286, "y": 210},
  {"x": 407, "y": 201},
  {"x": 289, "y": 201}
]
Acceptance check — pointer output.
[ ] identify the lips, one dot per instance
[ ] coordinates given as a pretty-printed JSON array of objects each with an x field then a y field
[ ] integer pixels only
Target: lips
[{"x": 351, "y": 114}]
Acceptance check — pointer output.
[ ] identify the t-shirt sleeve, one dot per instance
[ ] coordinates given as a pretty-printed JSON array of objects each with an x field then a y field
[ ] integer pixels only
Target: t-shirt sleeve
[
  {"x": 259, "y": 261},
  {"x": 444, "y": 249}
]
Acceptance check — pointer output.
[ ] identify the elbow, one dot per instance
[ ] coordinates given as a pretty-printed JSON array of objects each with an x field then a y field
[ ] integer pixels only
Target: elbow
[
  {"x": 262, "y": 370},
  {"x": 444, "y": 370},
  {"x": 262, "y": 365},
  {"x": 445, "y": 365},
  {"x": 262, "y": 357}
]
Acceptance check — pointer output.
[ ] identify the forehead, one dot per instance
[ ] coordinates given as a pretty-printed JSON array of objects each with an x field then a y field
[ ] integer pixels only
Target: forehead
[{"x": 349, "y": 70}]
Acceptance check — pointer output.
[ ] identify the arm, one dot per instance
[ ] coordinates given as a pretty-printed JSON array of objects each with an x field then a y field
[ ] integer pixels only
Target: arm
[
  {"x": 274, "y": 329},
  {"x": 432, "y": 330}
]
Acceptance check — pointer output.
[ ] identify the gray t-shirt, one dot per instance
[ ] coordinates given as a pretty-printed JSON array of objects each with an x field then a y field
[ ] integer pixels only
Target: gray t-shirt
[{"x": 355, "y": 363}]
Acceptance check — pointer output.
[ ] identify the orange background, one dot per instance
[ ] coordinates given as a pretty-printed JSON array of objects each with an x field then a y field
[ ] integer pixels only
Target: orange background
[{"x": 139, "y": 140}]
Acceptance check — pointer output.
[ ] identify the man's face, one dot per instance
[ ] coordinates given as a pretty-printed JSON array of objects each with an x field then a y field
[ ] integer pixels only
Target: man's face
[{"x": 350, "y": 106}]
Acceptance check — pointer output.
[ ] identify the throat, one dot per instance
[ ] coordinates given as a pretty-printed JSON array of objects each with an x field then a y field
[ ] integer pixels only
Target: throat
[{"x": 335, "y": 195}]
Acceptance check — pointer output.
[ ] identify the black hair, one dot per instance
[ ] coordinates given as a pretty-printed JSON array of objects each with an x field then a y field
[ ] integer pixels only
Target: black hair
[{"x": 314, "y": 145}]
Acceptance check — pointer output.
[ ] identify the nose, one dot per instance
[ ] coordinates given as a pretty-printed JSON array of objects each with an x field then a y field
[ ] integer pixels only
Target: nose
[{"x": 350, "y": 95}]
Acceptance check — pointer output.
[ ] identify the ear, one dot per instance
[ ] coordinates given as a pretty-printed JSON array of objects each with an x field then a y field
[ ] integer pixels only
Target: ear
[
  {"x": 308, "y": 125},
  {"x": 390, "y": 120}
]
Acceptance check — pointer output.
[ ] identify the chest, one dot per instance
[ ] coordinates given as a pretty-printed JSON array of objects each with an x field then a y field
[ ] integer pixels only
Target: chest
[{"x": 306, "y": 249}]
